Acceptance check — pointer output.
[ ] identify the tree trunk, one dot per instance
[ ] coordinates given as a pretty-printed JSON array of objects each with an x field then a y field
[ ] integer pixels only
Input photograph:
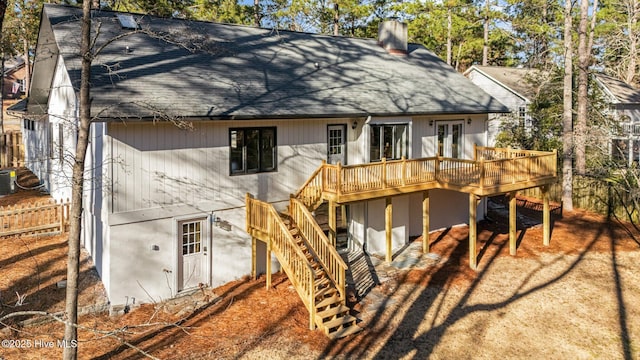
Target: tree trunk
[
  {"x": 27, "y": 67},
  {"x": 336, "y": 19},
  {"x": 580, "y": 130},
  {"x": 256, "y": 13},
  {"x": 485, "y": 47},
  {"x": 567, "y": 113},
  {"x": 449, "y": 41},
  {"x": 592, "y": 29},
  {"x": 634, "y": 12},
  {"x": 1, "y": 93},
  {"x": 3, "y": 9},
  {"x": 70, "y": 332}
]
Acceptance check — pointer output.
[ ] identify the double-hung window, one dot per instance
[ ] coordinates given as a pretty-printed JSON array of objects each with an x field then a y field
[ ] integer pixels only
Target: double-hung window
[
  {"x": 252, "y": 150},
  {"x": 388, "y": 141}
]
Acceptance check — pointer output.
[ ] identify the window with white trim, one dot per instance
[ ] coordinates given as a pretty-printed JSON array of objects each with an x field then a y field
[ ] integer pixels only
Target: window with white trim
[{"x": 388, "y": 141}]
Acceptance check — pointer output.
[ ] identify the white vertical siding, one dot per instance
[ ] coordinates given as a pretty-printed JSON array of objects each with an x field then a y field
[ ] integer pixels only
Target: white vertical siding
[
  {"x": 504, "y": 95},
  {"x": 159, "y": 165},
  {"x": 62, "y": 112}
]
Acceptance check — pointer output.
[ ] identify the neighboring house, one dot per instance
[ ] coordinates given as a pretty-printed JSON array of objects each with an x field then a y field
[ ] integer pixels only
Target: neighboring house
[
  {"x": 165, "y": 203},
  {"x": 624, "y": 107},
  {"x": 14, "y": 74},
  {"x": 514, "y": 87}
]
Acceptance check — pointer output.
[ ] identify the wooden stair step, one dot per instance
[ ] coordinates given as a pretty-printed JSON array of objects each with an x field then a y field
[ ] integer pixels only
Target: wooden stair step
[
  {"x": 330, "y": 313},
  {"x": 328, "y": 301},
  {"x": 338, "y": 323},
  {"x": 328, "y": 291},
  {"x": 323, "y": 282},
  {"x": 343, "y": 332}
]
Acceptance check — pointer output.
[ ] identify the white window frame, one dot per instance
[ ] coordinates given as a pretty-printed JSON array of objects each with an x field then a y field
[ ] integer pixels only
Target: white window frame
[{"x": 387, "y": 121}]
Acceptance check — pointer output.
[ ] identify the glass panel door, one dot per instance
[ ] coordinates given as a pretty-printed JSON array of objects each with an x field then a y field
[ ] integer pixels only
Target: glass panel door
[
  {"x": 336, "y": 144},
  {"x": 449, "y": 136}
]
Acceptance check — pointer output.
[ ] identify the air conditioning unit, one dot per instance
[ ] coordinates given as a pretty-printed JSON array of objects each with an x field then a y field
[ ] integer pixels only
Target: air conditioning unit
[{"x": 7, "y": 181}]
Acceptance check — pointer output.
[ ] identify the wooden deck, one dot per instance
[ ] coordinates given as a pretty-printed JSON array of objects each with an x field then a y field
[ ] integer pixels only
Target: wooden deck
[
  {"x": 492, "y": 171},
  {"x": 309, "y": 257}
]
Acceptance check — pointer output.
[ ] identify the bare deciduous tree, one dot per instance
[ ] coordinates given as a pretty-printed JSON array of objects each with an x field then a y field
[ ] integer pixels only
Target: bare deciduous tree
[
  {"x": 583, "y": 81},
  {"x": 567, "y": 113},
  {"x": 75, "y": 217}
]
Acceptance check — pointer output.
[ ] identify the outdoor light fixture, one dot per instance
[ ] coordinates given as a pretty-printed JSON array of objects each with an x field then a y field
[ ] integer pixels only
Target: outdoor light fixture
[
  {"x": 430, "y": 122},
  {"x": 469, "y": 121},
  {"x": 354, "y": 125}
]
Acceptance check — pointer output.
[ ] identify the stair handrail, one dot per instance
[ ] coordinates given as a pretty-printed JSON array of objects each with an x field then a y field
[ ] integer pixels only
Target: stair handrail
[
  {"x": 316, "y": 177},
  {"x": 327, "y": 255},
  {"x": 293, "y": 261}
]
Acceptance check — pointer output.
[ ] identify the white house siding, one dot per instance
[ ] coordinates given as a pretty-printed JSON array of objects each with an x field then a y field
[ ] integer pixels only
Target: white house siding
[
  {"x": 35, "y": 149},
  {"x": 94, "y": 229},
  {"x": 447, "y": 208},
  {"x": 505, "y": 95},
  {"x": 61, "y": 129},
  {"x": 160, "y": 173}
]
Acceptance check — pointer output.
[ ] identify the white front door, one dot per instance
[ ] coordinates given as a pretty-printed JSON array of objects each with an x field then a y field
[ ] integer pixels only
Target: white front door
[
  {"x": 193, "y": 258},
  {"x": 336, "y": 144},
  {"x": 450, "y": 138}
]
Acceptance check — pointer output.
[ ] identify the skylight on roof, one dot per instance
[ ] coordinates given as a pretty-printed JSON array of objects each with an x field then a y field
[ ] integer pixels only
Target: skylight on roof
[{"x": 127, "y": 21}]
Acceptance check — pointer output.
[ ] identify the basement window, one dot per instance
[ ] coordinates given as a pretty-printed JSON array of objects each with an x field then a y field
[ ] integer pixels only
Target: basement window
[{"x": 252, "y": 150}]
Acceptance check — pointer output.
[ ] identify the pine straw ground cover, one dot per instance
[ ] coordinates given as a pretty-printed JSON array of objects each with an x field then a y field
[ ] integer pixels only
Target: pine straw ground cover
[{"x": 579, "y": 298}]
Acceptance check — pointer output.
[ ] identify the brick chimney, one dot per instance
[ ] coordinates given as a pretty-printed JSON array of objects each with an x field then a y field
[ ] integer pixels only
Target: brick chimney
[{"x": 392, "y": 35}]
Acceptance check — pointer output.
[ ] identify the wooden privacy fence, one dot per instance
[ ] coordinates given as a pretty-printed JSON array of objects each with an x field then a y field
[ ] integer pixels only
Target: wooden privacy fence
[
  {"x": 11, "y": 149},
  {"x": 33, "y": 218}
]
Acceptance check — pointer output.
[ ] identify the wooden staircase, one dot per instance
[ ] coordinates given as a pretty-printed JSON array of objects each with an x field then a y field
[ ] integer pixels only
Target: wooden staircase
[
  {"x": 332, "y": 315},
  {"x": 312, "y": 264}
]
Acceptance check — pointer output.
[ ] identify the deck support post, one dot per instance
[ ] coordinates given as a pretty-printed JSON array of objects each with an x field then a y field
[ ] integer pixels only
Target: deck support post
[
  {"x": 268, "y": 266},
  {"x": 388, "y": 226},
  {"x": 473, "y": 207},
  {"x": 546, "y": 216},
  {"x": 332, "y": 223},
  {"x": 512, "y": 223},
  {"x": 425, "y": 222},
  {"x": 254, "y": 272}
]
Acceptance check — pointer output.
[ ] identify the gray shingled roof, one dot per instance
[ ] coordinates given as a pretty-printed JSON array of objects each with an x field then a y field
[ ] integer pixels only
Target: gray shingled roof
[
  {"x": 245, "y": 72},
  {"x": 622, "y": 92},
  {"x": 520, "y": 80}
]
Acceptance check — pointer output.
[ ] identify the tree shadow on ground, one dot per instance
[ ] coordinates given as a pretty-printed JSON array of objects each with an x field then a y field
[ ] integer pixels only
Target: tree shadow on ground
[
  {"x": 163, "y": 337},
  {"x": 410, "y": 340}
]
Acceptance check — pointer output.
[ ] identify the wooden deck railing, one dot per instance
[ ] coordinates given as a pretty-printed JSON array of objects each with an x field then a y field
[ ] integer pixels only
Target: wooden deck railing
[
  {"x": 492, "y": 167},
  {"x": 263, "y": 218},
  {"x": 325, "y": 252},
  {"x": 311, "y": 192},
  {"x": 34, "y": 218}
]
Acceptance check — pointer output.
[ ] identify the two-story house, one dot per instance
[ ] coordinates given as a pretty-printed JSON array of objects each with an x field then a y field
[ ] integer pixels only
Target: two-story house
[{"x": 203, "y": 132}]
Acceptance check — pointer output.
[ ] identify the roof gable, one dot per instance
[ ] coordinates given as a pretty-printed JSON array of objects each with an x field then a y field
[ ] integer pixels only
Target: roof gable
[
  {"x": 201, "y": 69},
  {"x": 619, "y": 91},
  {"x": 520, "y": 81}
]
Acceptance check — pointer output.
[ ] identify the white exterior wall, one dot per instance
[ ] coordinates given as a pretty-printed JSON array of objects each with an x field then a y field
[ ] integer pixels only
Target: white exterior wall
[
  {"x": 42, "y": 145},
  {"x": 160, "y": 173},
  {"x": 63, "y": 112},
  {"x": 36, "y": 144},
  {"x": 507, "y": 97},
  {"x": 95, "y": 232}
]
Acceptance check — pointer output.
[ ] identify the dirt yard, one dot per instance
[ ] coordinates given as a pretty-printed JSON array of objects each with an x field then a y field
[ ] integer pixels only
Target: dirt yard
[{"x": 579, "y": 298}]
